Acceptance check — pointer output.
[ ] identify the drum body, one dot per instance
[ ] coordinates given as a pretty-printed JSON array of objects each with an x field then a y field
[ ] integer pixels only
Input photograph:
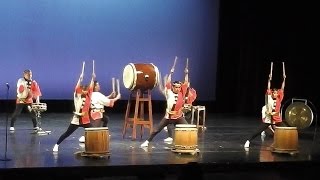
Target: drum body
[
  {"x": 140, "y": 76},
  {"x": 186, "y": 137},
  {"x": 97, "y": 140},
  {"x": 285, "y": 138},
  {"x": 39, "y": 107}
]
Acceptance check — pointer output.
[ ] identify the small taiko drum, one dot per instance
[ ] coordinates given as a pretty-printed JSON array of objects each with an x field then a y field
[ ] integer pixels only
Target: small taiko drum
[
  {"x": 141, "y": 76},
  {"x": 186, "y": 137},
  {"x": 97, "y": 140},
  {"x": 285, "y": 139},
  {"x": 39, "y": 107}
]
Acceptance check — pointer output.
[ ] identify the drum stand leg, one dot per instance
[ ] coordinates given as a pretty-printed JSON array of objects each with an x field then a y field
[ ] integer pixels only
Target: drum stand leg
[
  {"x": 40, "y": 131},
  {"x": 140, "y": 98}
]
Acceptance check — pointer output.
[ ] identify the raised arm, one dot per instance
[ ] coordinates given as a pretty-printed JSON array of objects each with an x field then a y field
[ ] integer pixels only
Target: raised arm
[
  {"x": 168, "y": 78},
  {"x": 186, "y": 73},
  {"x": 162, "y": 87},
  {"x": 81, "y": 75},
  {"x": 93, "y": 77},
  {"x": 270, "y": 76}
]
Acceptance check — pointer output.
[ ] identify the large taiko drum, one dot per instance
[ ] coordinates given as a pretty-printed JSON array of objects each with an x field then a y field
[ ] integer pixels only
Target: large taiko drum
[
  {"x": 186, "y": 137},
  {"x": 142, "y": 76},
  {"x": 285, "y": 139},
  {"x": 97, "y": 140}
]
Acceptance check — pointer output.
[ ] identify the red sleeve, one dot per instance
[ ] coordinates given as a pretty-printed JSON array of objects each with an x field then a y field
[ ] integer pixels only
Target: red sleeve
[
  {"x": 35, "y": 89},
  {"x": 77, "y": 90},
  {"x": 90, "y": 91},
  {"x": 168, "y": 85},
  {"x": 21, "y": 88},
  {"x": 268, "y": 91},
  {"x": 184, "y": 88},
  {"x": 281, "y": 94},
  {"x": 192, "y": 95}
]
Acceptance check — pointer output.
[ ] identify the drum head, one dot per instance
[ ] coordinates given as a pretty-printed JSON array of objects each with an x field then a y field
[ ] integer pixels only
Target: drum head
[
  {"x": 299, "y": 114},
  {"x": 285, "y": 128},
  {"x": 96, "y": 128},
  {"x": 157, "y": 75},
  {"x": 186, "y": 126},
  {"x": 129, "y": 77}
]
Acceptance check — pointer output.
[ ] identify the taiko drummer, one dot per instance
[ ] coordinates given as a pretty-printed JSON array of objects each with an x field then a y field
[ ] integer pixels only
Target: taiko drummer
[
  {"x": 82, "y": 102},
  {"x": 28, "y": 91},
  {"x": 175, "y": 97},
  {"x": 271, "y": 110}
]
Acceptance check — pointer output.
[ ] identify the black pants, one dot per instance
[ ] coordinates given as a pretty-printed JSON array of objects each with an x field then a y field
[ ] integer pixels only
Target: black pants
[
  {"x": 165, "y": 122},
  {"x": 103, "y": 122},
  {"x": 263, "y": 127},
  {"x": 18, "y": 110},
  {"x": 70, "y": 130}
]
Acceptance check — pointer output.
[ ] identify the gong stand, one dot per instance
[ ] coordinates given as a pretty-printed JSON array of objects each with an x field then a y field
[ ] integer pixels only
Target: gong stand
[
  {"x": 298, "y": 115},
  {"x": 140, "y": 98}
]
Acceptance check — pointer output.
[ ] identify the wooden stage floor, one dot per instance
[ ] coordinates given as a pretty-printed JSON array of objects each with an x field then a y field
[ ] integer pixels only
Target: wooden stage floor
[{"x": 221, "y": 152}]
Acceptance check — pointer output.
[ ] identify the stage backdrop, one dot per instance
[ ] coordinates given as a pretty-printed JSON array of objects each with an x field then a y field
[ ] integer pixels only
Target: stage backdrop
[{"x": 53, "y": 38}]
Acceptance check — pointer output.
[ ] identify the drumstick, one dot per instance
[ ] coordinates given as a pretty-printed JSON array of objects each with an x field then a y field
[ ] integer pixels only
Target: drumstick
[
  {"x": 113, "y": 85},
  {"x": 283, "y": 69},
  {"x": 174, "y": 64},
  {"x": 175, "y": 61},
  {"x": 83, "y": 64},
  {"x": 187, "y": 65},
  {"x": 92, "y": 66},
  {"x": 271, "y": 68},
  {"x": 118, "y": 86}
]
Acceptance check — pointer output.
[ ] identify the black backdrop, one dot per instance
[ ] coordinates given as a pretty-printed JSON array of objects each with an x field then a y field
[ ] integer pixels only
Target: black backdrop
[{"x": 252, "y": 34}]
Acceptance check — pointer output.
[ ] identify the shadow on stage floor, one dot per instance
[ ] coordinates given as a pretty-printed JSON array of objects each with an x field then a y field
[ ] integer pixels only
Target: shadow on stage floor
[{"x": 221, "y": 153}]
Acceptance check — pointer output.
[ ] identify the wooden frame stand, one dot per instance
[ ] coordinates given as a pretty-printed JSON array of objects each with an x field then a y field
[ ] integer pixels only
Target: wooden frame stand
[
  {"x": 138, "y": 120},
  {"x": 199, "y": 110}
]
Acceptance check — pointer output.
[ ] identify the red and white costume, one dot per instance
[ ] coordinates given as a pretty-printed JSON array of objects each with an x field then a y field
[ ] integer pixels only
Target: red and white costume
[
  {"x": 191, "y": 96},
  {"x": 82, "y": 104},
  {"x": 27, "y": 90},
  {"x": 98, "y": 102},
  {"x": 175, "y": 101},
  {"x": 273, "y": 105}
]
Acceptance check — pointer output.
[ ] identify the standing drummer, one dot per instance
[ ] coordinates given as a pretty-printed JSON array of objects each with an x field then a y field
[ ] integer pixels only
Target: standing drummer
[
  {"x": 82, "y": 102},
  {"x": 271, "y": 110},
  {"x": 28, "y": 91},
  {"x": 175, "y": 96},
  {"x": 98, "y": 103}
]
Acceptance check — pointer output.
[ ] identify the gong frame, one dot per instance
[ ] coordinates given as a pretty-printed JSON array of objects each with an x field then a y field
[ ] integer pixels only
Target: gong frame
[{"x": 299, "y": 104}]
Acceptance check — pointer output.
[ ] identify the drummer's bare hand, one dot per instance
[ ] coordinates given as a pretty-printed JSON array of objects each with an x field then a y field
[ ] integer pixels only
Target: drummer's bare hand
[
  {"x": 81, "y": 77},
  {"x": 186, "y": 71},
  {"x": 112, "y": 95},
  {"x": 172, "y": 70}
]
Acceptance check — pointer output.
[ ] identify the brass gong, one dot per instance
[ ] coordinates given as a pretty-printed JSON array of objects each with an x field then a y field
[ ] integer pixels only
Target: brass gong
[{"x": 299, "y": 114}]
